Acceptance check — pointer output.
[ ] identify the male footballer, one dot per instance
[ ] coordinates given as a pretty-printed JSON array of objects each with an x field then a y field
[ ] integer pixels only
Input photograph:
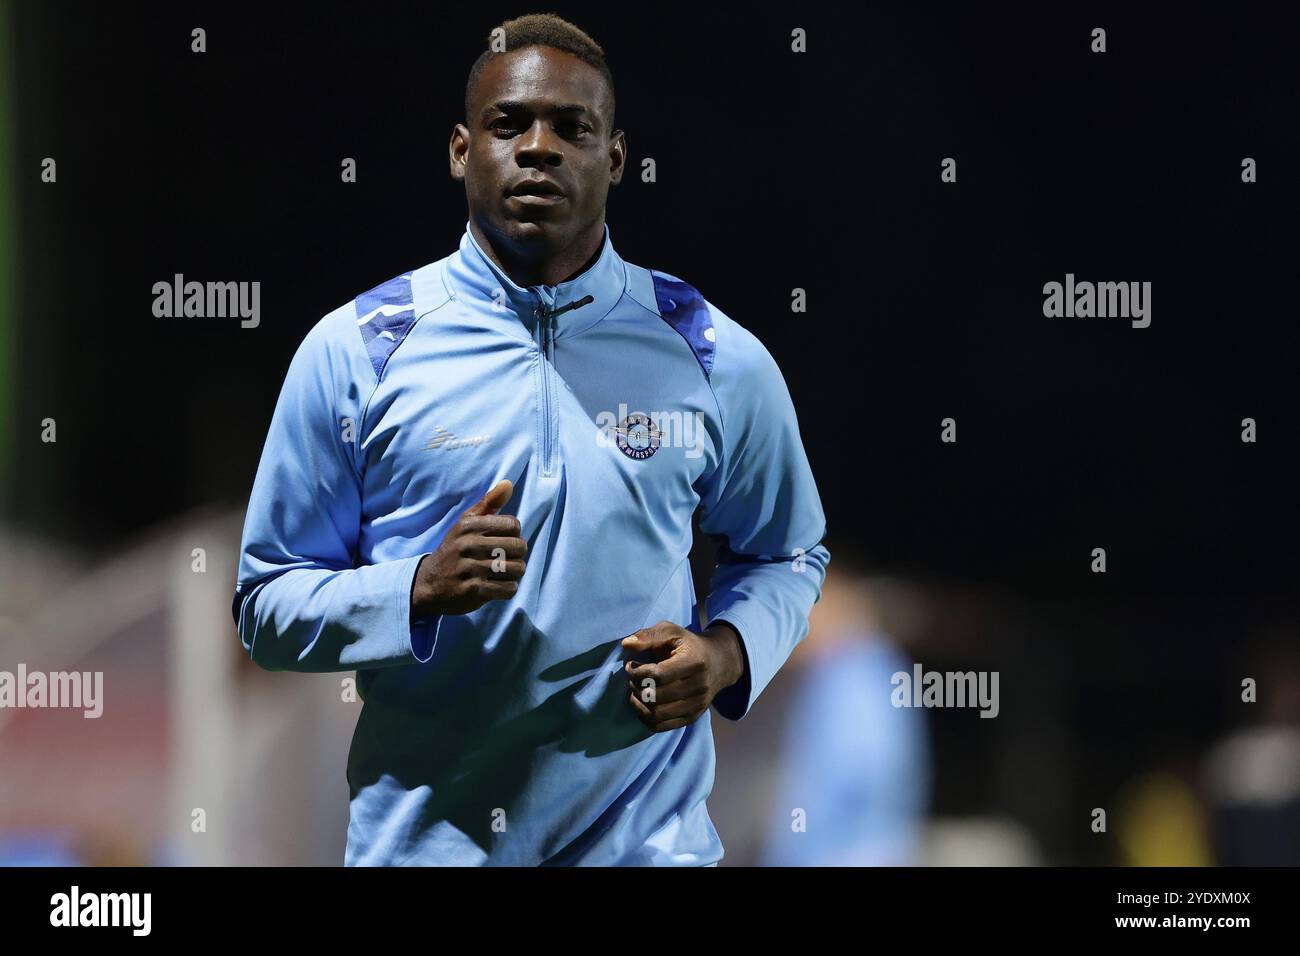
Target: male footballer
[{"x": 477, "y": 493}]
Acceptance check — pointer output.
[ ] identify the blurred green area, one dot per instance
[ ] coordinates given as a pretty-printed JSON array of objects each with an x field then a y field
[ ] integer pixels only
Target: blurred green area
[{"x": 8, "y": 255}]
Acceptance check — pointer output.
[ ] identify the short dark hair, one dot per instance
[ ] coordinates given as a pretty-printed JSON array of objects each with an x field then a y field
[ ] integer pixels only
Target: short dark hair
[{"x": 545, "y": 29}]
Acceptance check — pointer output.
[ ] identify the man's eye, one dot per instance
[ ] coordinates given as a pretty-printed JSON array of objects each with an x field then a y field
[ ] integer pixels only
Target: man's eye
[{"x": 507, "y": 127}]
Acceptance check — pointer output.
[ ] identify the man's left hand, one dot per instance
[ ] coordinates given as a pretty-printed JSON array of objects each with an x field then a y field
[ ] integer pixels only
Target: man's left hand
[{"x": 688, "y": 672}]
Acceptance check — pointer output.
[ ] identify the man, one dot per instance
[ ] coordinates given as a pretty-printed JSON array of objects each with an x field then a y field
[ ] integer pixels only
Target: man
[{"x": 477, "y": 492}]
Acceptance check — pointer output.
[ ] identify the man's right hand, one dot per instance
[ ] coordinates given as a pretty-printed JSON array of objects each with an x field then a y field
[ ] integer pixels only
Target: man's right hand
[{"x": 459, "y": 576}]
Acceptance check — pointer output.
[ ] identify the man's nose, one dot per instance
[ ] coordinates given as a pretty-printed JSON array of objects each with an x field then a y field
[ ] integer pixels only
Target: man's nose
[{"x": 538, "y": 145}]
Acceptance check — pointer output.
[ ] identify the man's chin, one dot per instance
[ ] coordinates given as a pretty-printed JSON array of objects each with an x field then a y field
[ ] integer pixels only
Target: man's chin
[{"x": 535, "y": 230}]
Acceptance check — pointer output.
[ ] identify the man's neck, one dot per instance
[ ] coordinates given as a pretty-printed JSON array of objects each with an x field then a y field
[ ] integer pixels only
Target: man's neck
[{"x": 526, "y": 267}]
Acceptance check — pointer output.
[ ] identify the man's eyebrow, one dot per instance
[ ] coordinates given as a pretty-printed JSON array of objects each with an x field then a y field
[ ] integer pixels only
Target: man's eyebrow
[{"x": 517, "y": 106}]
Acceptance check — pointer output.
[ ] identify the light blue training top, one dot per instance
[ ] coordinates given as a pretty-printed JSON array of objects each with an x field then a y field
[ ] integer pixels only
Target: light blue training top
[{"x": 505, "y": 736}]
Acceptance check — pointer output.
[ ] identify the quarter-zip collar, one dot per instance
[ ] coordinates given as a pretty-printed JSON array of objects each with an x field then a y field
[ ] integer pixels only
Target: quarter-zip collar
[{"x": 476, "y": 278}]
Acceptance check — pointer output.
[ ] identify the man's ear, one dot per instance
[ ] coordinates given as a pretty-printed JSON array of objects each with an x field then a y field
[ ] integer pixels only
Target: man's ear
[
  {"x": 617, "y": 156},
  {"x": 458, "y": 150}
]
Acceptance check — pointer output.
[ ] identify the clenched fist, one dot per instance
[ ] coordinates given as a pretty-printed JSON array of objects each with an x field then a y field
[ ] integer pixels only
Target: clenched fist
[
  {"x": 688, "y": 671},
  {"x": 481, "y": 559}
]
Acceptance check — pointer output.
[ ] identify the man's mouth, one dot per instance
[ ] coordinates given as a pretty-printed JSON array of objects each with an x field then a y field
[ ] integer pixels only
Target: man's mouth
[
  {"x": 536, "y": 192},
  {"x": 537, "y": 199}
]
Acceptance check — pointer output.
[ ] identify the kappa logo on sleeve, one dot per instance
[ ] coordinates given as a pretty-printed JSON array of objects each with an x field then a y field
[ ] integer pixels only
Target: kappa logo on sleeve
[{"x": 385, "y": 315}]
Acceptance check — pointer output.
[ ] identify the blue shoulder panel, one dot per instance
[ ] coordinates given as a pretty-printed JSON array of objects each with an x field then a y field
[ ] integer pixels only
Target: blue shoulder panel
[
  {"x": 385, "y": 315},
  {"x": 682, "y": 307}
]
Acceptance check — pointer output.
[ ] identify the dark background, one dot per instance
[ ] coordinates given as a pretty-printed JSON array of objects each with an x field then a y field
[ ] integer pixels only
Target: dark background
[{"x": 775, "y": 171}]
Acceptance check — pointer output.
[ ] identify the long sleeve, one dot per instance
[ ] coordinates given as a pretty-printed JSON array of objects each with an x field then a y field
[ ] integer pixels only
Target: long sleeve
[
  {"x": 301, "y": 602},
  {"x": 761, "y": 503}
]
